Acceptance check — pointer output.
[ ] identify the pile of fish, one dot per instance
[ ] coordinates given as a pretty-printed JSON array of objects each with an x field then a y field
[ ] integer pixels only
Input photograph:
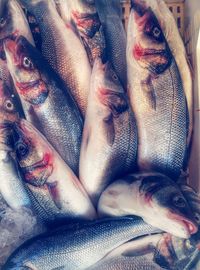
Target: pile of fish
[{"x": 95, "y": 132}]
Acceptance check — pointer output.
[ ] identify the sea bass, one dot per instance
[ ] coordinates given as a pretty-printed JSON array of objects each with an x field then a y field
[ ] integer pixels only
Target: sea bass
[
  {"x": 12, "y": 23},
  {"x": 45, "y": 100},
  {"x": 109, "y": 144},
  {"x": 55, "y": 191},
  {"x": 154, "y": 197},
  {"x": 64, "y": 50},
  {"x": 157, "y": 96},
  {"x": 110, "y": 14},
  {"x": 11, "y": 186},
  {"x": 83, "y": 15},
  {"x": 77, "y": 248}
]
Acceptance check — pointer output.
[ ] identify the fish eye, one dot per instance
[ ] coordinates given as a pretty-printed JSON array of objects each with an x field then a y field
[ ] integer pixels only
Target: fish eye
[
  {"x": 2, "y": 21},
  {"x": 179, "y": 201},
  {"x": 27, "y": 62},
  {"x": 197, "y": 217},
  {"x": 114, "y": 76},
  {"x": 9, "y": 106},
  {"x": 21, "y": 150},
  {"x": 156, "y": 32}
]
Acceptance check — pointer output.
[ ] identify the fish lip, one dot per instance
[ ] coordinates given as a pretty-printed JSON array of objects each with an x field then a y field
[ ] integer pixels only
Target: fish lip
[
  {"x": 27, "y": 86},
  {"x": 189, "y": 225},
  {"x": 43, "y": 163}
]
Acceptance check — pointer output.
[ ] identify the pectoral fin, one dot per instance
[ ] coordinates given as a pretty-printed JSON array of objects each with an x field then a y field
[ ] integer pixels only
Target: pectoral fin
[
  {"x": 54, "y": 193},
  {"x": 149, "y": 92}
]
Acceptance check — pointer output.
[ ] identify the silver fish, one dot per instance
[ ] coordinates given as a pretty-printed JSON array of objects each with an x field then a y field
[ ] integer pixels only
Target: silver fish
[
  {"x": 11, "y": 186},
  {"x": 83, "y": 15},
  {"x": 55, "y": 191},
  {"x": 64, "y": 50},
  {"x": 110, "y": 14},
  {"x": 77, "y": 248},
  {"x": 45, "y": 101},
  {"x": 154, "y": 197},
  {"x": 109, "y": 144},
  {"x": 157, "y": 96}
]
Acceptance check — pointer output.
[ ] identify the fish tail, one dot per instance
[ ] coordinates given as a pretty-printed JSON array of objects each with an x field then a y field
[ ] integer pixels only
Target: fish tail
[{"x": 108, "y": 8}]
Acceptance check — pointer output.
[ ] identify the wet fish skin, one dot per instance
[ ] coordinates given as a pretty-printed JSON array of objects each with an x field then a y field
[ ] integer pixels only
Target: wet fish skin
[
  {"x": 45, "y": 100},
  {"x": 109, "y": 144},
  {"x": 154, "y": 80},
  {"x": 77, "y": 249},
  {"x": 65, "y": 52},
  {"x": 110, "y": 14},
  {"x": 54, "y": 190},
  {"x": 11, "y": 186},
  {"x": 152, "y": 196},
  {"x": 84, "y": 17}
]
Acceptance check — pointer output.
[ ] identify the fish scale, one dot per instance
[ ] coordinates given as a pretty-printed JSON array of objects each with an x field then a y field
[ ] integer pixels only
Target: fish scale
[
  {"x": 77, "y": 249},
  {"x": 63, "y": 49}
]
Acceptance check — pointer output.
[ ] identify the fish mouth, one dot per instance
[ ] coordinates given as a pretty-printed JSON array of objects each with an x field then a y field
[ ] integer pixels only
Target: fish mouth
[
  {"x": 13, "y": 36},
  {"x": 26, "y": 87},
  {"x": 188, "y": 225},
  {"x": 43, "y": 168}
]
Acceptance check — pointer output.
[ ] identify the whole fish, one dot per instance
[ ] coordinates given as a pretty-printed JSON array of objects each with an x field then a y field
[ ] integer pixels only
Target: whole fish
[
  {"x": 77, "y": 248},
  {"x": 45, "y": 101},
  {"x": 154, "y": 197},
  {"x": 110, "y": 14},
  {"x": 83, "y": 15},
  {"x": 12, "y": 23},
  {"x": 11, "y": 186},
  {"x": 55, "y": 191},
  {"x": 109, "y": 144},
  {"x": 157, "y": 96},
  {"x": 64, "y": 50}
]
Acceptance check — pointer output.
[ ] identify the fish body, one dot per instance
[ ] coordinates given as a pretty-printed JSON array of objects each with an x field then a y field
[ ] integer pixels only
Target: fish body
[
  {"x": 152, "y": 196},
  {"x": 11, "y": 186},
  {"x": 110, "y": 14},
  {"x": 64, "y": 52},
  {"x": 83, "y": 15},
  {"x": 55, "y": 191},
  {"x": 157, "y": 96},
  {"x": 109, "y": 144},
  {"x": 77, "y": 248},
  {"x": 45, "y": 101}
]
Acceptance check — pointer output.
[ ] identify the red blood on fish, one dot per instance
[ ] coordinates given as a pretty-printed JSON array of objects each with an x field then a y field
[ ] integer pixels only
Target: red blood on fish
[{"x": 138, "y": 52}]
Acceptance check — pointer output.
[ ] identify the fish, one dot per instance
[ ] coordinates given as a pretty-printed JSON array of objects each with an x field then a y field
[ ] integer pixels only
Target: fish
[
  {"x": 109, "y": 142},
  {"x": 110, "y": 14},
  {"x": 152, "y": 196},
  {"x": 78, "y": 248},
  {"x": 11, "y": 186},
  {"x": 12, "y": 23},
  {"x": 157, "y": 96},
  {"x": 45, "y": 101},
  {"x": 64, "y": 51},
  {"x": 84, "y": 17},
  {"x": 55, "y": 191}
]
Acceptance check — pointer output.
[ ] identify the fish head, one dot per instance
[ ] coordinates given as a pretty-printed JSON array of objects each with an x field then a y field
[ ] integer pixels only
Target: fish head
[
  {"x": 166, "y": 205},
  {"x": 8, "y": 112},
  {"x": 23, "y": 68},
  {"x": 12, "y": 23},
  {"x": 34, "y": 155},
  {"x": 193, "y": 200},
  {"x": 109, "y": 92},
  {"x": 147, "y": 45}
]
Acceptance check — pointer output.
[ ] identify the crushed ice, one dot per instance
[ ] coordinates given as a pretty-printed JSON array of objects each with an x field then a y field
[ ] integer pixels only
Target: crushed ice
[{"x": 16, "y": 226}]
